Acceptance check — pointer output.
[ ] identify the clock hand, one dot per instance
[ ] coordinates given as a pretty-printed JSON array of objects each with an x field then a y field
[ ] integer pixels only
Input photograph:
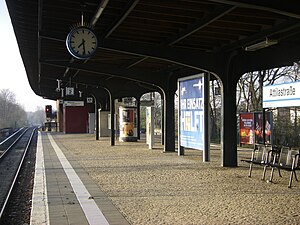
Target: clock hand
[
  {"x": 82, "y": 43},
  {"x": 83, "y": 46}
]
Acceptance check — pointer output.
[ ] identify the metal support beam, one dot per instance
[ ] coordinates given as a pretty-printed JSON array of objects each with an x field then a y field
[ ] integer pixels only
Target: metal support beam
[
  {"x": 96, "y": 118},
  {"x": 128, "y": 8},
  {"x": 150, "y": 79},
  {"x": 229, "y": 127},
  {"x": 169, "y": 117},
  {"x": 206, "y": 152},
  {"x": 162, "y": 119},
  {"x": 138, "y": 107},
  {"x": 112, "y": 120},
  {"x": 203, "y": 22},
  {"x": 135, "y": 62},
  {"x": 201, "y": 61},
  {"x": 100, "y": 9},
  {"x": 276, "y": 6}
]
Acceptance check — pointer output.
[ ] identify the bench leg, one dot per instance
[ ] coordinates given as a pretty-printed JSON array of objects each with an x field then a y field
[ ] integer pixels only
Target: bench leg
[
  {"x": 271, "y": 176},
  {"x": 250, "y": 170},
  {"x": 296, "y": 176},
  {"x": 264, "y": 173},
  {"x": 291, "y": 179},
  {"x": 279, "y": 172}
]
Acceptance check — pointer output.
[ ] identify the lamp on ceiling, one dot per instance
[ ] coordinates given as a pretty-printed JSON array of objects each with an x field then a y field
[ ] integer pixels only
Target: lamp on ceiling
[{"x": 263, "y": 44}]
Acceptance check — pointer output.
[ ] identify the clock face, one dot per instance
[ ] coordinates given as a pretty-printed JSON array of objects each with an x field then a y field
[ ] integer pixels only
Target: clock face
[{"x": 81, "y": 42}]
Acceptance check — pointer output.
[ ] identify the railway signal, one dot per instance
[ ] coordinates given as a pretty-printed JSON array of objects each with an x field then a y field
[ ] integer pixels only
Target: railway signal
[{"x": 48, "y": 111}]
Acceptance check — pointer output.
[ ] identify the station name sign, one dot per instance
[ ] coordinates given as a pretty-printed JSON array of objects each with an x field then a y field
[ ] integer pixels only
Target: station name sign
[
  {"x": 277, "y": 92},
  {"x": 74, "y": 103},
  {"x": 281, "y": 95}
]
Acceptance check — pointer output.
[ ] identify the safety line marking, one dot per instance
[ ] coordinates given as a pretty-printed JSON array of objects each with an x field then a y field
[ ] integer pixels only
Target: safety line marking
[
  {"x": 39, "y": 210},
  {"x": 88, "y": 205}
]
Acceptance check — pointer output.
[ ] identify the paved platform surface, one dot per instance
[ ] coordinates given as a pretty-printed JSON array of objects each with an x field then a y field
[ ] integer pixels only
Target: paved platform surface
[
  {"x": 64, "y": 193},
  {"x": 149, "y": 187}
]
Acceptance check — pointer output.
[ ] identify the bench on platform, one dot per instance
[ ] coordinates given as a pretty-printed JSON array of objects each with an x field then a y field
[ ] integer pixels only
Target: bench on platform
[
  {"x": 262, "y": 155},
  {"x": 289, "y": 161}
]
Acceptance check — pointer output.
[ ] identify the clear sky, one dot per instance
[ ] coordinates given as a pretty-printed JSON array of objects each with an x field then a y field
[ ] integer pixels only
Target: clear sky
[{"x": 12, "y": 73}]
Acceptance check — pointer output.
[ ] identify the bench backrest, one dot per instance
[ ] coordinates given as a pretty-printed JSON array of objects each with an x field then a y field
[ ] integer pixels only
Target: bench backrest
[
  {"x": 271, "y": 153},
  {"x": 294, "y": 155},
  {"x": 261, "y": 154},
  {"x": 283, "y": 155},
  {"x": 287, "y": 156}
]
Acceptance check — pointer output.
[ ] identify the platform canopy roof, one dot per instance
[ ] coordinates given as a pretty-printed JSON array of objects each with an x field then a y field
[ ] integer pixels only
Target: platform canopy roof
[{"x": 145, "y": 44}]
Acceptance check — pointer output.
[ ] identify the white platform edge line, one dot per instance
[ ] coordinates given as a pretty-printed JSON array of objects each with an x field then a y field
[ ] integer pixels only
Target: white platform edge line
[
  {"x": 88, "y": 205},
  {"x": 39, "y": 209}
]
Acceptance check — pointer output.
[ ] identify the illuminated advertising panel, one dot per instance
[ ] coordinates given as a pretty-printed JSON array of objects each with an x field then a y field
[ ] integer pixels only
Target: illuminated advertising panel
[
  {"x": 246, "y": 128},
  {"x": 191, "y": 112},
  {"x": 251, "y": 128},
  {"x": 258, "y": 127}
]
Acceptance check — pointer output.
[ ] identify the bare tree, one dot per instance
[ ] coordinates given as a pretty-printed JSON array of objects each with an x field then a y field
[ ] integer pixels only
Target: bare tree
[
  {"x": 250, "y": 85},
  {"x": 11, "y": 113},
  {"x": 38, "y": 117},
  {"x": 156, "y": 98},
  {"x": 249, "y": 99}
]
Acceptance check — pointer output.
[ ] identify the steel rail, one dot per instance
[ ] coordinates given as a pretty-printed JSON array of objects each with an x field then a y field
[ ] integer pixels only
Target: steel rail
[
  {"x": 17, "y": 172},
  {"x": 6, "y": 139},
  {"x": 18, "y": 138}
]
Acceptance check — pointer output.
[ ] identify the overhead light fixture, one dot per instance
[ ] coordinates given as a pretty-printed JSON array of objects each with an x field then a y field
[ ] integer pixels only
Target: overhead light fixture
[{"x": 263, "y": 44}]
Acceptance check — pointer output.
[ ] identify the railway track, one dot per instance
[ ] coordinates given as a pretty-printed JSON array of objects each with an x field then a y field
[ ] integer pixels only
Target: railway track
[
  {"x": 12, "y": 153},
  {"x": 6, "y": 144}
]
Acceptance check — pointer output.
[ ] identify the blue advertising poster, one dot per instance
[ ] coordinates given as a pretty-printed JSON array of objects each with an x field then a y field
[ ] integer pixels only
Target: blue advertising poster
[{"x": 191, "y": 113}]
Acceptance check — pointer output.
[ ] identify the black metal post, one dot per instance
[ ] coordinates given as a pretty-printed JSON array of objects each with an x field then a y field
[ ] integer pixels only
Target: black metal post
[
  {"x": 96, "y": 118},
  {"x": 138, "y": 112},
  {"x": 264, "y": 125},
  {"x": 169, "y": 122}
]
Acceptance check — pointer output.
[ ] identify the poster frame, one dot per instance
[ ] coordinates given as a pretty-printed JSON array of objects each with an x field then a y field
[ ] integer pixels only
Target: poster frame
[{"x": 206, "y": 120}]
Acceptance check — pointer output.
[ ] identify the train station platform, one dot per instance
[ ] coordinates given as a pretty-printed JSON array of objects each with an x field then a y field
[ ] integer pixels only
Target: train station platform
[
  {"x": 64, "y": 193},
  {"x": 130, "y": 184}
]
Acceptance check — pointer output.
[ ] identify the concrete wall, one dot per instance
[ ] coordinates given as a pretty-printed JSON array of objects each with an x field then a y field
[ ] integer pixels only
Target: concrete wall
[
  {"x": 91, "y": 123},
  {"x": 103, "y": 124}
]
